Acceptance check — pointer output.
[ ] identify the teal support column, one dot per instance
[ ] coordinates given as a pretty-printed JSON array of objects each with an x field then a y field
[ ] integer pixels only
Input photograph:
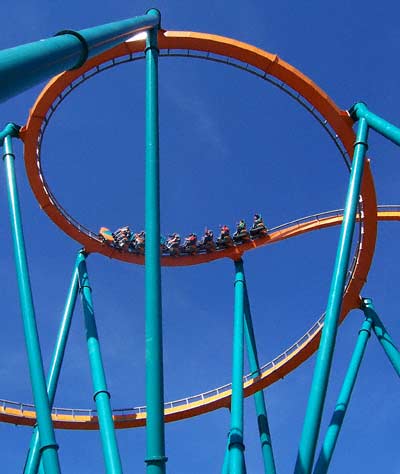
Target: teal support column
[
  {"x": 335, "y": 425},
  {"x": 236, "y": 445},
  {"x": 27, "y": 65},
  {"x": 380, "y": 125},
  {"x": 101, "y": 394},
  {"x": 312, "y": 421},
  {"x": 383, "y": 336},
  {"x": 261, "y": 410},
  {"x": 48, "y": 445},
  {"x": 225, "y": 465},
  {"x": 33, "y": 459},
  {"x": 10, "y": 130},
  {"x": 155, "y": 455}
]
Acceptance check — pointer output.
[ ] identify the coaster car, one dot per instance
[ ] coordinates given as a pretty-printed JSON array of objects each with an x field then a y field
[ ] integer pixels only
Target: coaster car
[
  {"x": 224, "y": 241},
  {"x": 137, "y": 243},
  {"x": 105, "y": 235},
  {"x": 122, "y": 237},
  {"x": 259, "y": 230},
  {"x": 241, "y": 236},
  {"x": 172, "y": 244},
  {"x": 190, "y": 244},
  {"x": 207, "y": 245}
]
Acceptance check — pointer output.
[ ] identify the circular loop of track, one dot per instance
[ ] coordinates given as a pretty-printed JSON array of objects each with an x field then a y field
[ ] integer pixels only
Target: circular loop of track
[
  {"x": 210, "y": 47},
  {"x": 339, "y": 122}
]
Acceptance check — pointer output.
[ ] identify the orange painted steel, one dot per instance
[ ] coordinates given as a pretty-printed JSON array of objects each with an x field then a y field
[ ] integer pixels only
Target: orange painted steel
[
  {"x": 172, "y": 40},
  {"x": 203, "y": 402},
  {"x": 273, "y": 66}
]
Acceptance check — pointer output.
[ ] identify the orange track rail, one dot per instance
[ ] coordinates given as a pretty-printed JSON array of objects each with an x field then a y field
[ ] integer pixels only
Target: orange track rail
[
  {"x": 208, "y": 401},
  {"x": 173, "y": 40},
  {"x": 272, "y": 65}
]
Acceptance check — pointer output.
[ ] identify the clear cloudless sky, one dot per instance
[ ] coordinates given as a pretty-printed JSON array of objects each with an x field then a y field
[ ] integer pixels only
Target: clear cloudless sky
[{"x": 231, "y": 145}]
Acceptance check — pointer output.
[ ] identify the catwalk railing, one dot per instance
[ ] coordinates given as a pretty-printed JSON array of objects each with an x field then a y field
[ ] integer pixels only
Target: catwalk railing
[{"x": 82, "y": 412}]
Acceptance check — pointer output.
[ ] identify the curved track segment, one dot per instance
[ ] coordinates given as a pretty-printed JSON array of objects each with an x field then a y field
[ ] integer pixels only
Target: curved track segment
[
  {"x": 70, "y": 418},
  {"x": 266, "y": 65}
]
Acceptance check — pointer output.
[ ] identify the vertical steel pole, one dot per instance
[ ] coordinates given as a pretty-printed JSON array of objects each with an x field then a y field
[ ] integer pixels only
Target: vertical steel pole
[
  {"x": 335, "y": 425},
  {"x": 33, "y": 459},
  {"x": 383, "y": 336},
  {"x": 319, "y": 385},
  {"x": 236, "y": 445},
  {"x": 225, "y": 465},
  {"x": 101, "y": 394},
  {"x": 261, "y": 410},
  {"x": 155, "y": 457},
  {"x": 48, "y": 445}
]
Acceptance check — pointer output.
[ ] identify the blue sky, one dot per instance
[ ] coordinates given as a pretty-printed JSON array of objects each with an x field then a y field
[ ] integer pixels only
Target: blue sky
[{"x": 231, "y": 145}]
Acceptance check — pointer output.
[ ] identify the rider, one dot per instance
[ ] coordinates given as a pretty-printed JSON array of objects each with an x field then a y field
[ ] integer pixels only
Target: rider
[
  {"x": 190, "y": 244},
  {"x": 208, "y": 236},
  {"x": 240, "y": 226},
  {"x": 173, "y": 240},
  {"x": 258, "y": 221},
  {"x": 191, "y": 239},
  {"x": 224, "y": 231},
  {"x": 122, "y": 236},
  {"x": 139, "y": 238}
]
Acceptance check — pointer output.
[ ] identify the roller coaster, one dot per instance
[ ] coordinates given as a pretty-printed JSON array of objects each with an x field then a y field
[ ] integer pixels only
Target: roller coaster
[{"x": 72, "y": 58}]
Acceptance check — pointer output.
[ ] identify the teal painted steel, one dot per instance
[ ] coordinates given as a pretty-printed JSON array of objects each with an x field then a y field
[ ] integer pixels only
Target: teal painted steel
[
  {"x": 335, "y": 425},
  {"x": 33, "y": 460},
  {"x": 101, "y": 394},
  {"x": 320, "y": 380},
  {"x": 236, "y": 445},
  {"x": 225, "y": 465},
  {"x": 383, "y": 336},
  {"x": 48, "y": 443},
  {"x": 10, "y": 130},
  {"x": 25, "y": 66},
  {"x": 261, "y": 410},
  {"x": 155, "y": 431},
  {"x": 380, "y": 125}
]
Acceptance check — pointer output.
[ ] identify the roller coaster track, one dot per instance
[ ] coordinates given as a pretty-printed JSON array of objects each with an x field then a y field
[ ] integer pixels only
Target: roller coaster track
[
  {"x": 268, "y": 67},
  {"x": 86, "y": 419}
]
